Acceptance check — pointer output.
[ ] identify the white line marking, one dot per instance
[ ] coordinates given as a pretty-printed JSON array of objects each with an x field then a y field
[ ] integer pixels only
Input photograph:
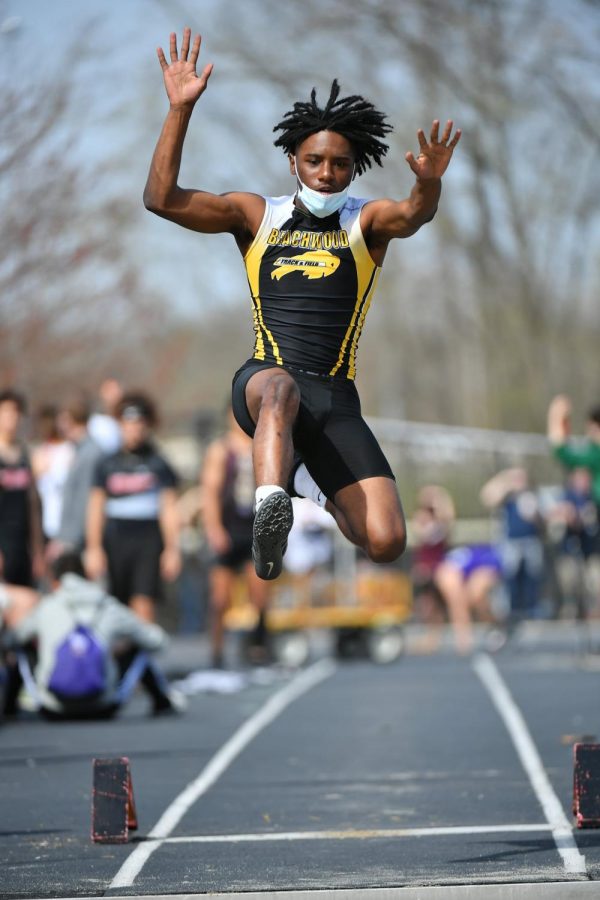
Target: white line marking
[
  {"x": 512, "y": 717},
  {"x": 222, "y": 759},
  {"x": 366, "y": 835}
]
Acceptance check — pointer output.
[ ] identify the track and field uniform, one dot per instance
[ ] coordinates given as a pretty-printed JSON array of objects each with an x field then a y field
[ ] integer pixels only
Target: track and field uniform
[
  {"x": 16, "y": 479},
  {"x": 237, "y": 510},
  {"x": 311, "y": 281},
  {"x": 133, "y": 482}
]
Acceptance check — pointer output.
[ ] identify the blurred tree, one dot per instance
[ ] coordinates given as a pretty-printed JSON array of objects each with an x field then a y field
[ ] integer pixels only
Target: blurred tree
[{"x": 72, "y": 304}]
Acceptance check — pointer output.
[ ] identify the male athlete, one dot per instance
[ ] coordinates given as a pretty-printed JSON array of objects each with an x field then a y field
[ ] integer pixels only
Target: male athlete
[{"x": 312, "y": 261}]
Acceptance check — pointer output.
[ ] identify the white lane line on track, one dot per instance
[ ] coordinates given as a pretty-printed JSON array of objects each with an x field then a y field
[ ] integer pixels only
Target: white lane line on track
[
  {"x": 222, "y": 759},
  {"x": 562, "y": 832},
  {"x": 367, "y": 835}
]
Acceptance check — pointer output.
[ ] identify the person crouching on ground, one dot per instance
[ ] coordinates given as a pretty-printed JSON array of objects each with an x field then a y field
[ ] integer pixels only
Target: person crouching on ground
[{"x": 91, "y": 649}]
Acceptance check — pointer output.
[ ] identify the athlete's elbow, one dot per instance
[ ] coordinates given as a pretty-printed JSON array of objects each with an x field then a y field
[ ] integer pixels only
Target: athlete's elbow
[
  {"x": 152, "y": 203},
  {"x": 156, "y": 199}
]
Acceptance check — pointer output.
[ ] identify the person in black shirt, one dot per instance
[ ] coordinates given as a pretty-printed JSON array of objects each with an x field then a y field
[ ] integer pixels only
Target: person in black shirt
[
  {"x": 21, "y": 538},
  {"x": 132, "y": 522}
]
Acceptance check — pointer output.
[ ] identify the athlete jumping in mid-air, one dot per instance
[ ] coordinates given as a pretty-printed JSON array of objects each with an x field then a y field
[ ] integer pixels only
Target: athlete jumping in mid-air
[{"x": 312, "y": 261}]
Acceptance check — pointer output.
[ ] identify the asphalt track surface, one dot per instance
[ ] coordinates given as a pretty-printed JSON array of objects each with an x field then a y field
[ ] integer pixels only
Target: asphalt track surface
[{"x": 351, "y": 777}]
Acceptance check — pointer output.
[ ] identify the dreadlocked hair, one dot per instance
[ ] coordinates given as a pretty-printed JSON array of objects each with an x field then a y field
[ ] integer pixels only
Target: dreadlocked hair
[{"x": 353, "y": 117}]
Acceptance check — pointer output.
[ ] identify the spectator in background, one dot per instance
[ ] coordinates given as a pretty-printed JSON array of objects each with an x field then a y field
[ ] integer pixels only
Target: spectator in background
[
  {"x": 431, "y": 525},
  {"x": 50, "y": 463},
  {"x": 192, "y": 585},
  {"x": 133, "y": 522},
  {"x": 310, "y": 543},
  {"x": 16, "y": 603},
  {"x": 227, "y": 497},
  {"x": 521, "y": 547},
  {"x": 465, "y": 579},
  {"x": 103, "y": 426},
  {"x": 21, "y": 537},
  {"x": 574, "y": 532},
  {"x": 574, "y": 454},
  {"x": 78, "y": 611},
  {"x": 87, "y": 454}
]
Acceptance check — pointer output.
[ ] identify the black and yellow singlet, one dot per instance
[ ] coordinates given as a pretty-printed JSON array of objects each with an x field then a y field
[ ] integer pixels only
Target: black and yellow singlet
[{"x": 311, "y": 282}]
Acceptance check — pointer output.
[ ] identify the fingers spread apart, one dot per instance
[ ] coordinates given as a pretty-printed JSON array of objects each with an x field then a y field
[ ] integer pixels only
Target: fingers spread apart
[
  {"x": 434, "y": 135},
  {"x": 185, "y": 49}
]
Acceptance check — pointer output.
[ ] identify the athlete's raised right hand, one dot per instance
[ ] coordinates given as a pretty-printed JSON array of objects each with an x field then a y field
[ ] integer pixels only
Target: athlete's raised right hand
[{"x": 182, "y": 84}]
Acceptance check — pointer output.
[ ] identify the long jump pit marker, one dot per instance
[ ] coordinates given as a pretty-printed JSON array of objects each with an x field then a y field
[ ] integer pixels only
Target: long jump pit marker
[
  {"x": 586, "y": 785},
  {"x": 113, "y": 806}
]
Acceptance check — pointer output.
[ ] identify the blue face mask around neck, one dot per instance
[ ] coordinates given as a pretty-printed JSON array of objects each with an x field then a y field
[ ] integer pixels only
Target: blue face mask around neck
[{"x": 321, "y": 205}]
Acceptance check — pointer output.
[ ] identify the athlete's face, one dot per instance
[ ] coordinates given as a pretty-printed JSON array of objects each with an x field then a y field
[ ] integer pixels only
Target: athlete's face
[{"x": 324, "y": 162}]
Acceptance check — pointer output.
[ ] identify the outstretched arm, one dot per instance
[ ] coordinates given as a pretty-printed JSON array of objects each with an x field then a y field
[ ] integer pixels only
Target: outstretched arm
[
  {"x": 495, "y": 491},
  {"x": 95, "y": 557},
  {"x": 386, "y": 219},
  {"x": 202, "y": 211},
  {"x": 559, "y": 420}
]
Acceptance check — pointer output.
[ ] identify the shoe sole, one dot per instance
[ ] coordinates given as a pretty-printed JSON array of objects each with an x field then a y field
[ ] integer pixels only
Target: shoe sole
[{"x": 272, "y": 524}]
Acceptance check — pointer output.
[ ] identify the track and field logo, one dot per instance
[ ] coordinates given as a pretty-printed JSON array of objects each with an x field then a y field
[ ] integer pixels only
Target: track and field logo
[{"x": 313, "y": 264}]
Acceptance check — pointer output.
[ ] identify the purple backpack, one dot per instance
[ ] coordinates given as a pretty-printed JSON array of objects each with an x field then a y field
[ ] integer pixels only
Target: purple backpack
[{"x": 80, "y": 666}]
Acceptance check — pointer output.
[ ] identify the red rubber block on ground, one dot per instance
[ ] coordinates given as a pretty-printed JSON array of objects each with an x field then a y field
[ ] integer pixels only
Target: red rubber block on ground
[
  {"x": 113, "y": 806},
  {"x": 586, "y": 785}
]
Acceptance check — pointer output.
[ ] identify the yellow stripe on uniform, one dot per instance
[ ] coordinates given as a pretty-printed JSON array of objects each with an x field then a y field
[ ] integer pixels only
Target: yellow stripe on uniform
[
  {"x": 252, "y": 261},
  {"x": 367, "y": 274},
  {"x": 359, "y": 327}
]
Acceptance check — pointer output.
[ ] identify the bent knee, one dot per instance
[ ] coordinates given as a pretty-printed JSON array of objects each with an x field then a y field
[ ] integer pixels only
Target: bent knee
[
  {"x": 448, "y": 577},
  {"x": 388, "y": 547},
  {"x": 281, "y": 393}
]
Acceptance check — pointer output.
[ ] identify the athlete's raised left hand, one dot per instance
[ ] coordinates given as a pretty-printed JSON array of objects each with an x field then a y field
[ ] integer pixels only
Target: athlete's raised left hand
[{"x": 435, "y": 154}]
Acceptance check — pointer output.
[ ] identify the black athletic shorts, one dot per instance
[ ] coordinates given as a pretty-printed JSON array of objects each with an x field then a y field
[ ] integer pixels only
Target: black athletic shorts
[
  {"x": 15, "y": 567},
  {"x": 133, "y": 549},
  {"x": 335, "y": 443}
]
